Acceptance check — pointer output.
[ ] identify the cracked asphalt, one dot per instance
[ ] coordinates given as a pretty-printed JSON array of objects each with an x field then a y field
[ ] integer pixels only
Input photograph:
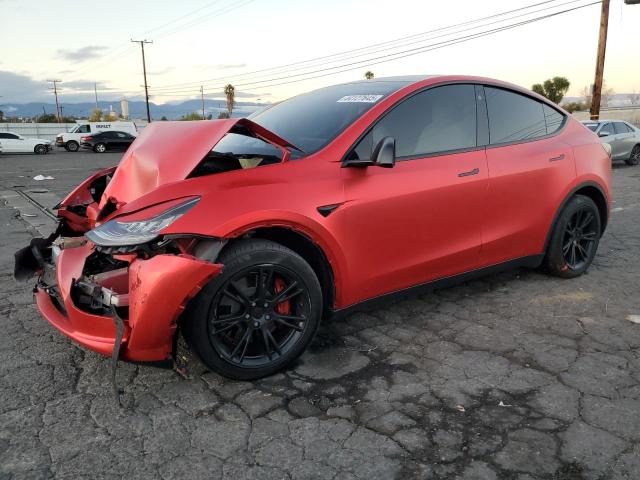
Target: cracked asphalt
[{"x": 516, "y": 376}]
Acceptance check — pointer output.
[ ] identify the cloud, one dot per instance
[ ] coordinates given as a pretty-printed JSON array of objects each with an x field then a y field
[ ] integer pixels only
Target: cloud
[
  {"x": 162, "y": 71},
  {"x": 83, "y": 85},
  {"x": 227, "y": 66},
  {"x": 81, "y": 54},
  {"x": 16, "y": 85}
]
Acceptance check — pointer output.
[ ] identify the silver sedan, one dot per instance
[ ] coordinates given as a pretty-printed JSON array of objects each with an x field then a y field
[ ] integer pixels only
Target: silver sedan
[{"x": 623, "y": 137}]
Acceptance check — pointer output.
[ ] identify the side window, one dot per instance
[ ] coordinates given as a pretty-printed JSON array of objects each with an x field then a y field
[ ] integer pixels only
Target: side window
[
  {"x": 12, "y": 136},
  {"x": 84, "y": 129},
  {"x": 4, "y": 135},
  {"x": 620, "y": 127},
  {"x": 513, "y": 117},
  {"x": 437, "y": 120},
  {"x": 121, "y": 135},
  {"x": 552, "y": 118},
  {"x": 608, "y": 129}
]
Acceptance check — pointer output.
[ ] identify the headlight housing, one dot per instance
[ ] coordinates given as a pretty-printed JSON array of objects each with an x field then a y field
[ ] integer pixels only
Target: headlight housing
[{"x": 116, "y": 233}]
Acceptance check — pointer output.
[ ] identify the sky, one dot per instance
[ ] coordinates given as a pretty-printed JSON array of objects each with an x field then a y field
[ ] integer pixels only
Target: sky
[{"x": 211, "y": 43}]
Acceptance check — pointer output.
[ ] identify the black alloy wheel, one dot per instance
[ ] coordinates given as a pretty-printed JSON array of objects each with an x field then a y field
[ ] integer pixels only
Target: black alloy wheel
[
  {"x": 574, "y": 241},
  {"x": 580, "y": 236},
  {"x": 259, "y": 314},
  {"x": 634, "y": 158}
]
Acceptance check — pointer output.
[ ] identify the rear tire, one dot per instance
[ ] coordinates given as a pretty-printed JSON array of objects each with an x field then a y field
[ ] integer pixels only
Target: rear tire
[
  {"x": 634, "y": 158},
  {"x": 40, "y": 149},
  {"x": 100, "y": 148},
  {"x": 574, "y": 241},
  {"x": 239, "y": 325},
  {"x": 72, "y": 146}
]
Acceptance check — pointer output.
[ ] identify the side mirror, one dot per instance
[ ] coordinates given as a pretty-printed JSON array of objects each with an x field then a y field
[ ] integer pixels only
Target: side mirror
[
  {"x": 384, "y": 155},
  {"x": 604, "y": 133}
]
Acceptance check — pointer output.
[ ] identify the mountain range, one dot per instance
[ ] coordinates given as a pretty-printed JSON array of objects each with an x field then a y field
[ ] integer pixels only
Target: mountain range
[{"x": 137, "y": 109}]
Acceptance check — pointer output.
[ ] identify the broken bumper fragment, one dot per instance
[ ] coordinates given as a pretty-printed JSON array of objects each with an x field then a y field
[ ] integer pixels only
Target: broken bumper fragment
[{"x": 146, "y": 295}]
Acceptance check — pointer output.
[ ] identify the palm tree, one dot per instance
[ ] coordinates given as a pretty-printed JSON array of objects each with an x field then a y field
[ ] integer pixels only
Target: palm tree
[
  {"x": 368, "y": 75},
  {"x": 230, "y": 92}
]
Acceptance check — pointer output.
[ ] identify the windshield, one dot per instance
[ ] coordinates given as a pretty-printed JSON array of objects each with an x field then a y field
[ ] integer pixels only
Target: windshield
[
  {"x": 74, "y": 129},
  {"x": 312, "y": 120}
]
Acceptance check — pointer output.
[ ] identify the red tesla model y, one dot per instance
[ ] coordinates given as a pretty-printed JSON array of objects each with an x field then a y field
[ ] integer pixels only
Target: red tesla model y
[{"x": 246, "y": 233}]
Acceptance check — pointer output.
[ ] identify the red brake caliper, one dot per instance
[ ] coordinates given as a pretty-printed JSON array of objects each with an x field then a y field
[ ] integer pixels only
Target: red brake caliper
[{"x": 283, "y": 308}]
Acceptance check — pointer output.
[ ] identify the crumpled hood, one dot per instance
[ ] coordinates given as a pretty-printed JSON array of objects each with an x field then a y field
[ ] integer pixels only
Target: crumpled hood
[{"x": 167, "y": 152}]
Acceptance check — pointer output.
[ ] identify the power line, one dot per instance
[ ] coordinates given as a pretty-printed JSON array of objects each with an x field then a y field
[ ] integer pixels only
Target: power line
[
  {"x": 368, "y": 47},
  {"x": 395, "y": 55},
  {"x": 124, "y": 49}
]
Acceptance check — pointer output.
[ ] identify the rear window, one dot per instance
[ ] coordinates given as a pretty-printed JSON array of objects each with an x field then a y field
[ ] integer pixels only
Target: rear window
[
  {"x": 621, "y": 127},
  {"x": 312, "y": 120},
  {"x": 553, "y": 119},
  {"x": 513, "y": 117}
]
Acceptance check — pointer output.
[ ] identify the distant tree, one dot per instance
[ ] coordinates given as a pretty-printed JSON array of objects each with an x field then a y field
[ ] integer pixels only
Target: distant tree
[
  {"x": 163, "y": 118},
  {"x": 111, "y": 117},
  {"x": 634, "y": 99},
  {"x": 209, "y": 117},
  {"x": 606, "y": 95},
  {"x": 230, "y": 93},
  {"x": 223, "y": 115},
  {"x": 587, "y": 94},
  {"x": 554, "y": 88},
  {"x": 47, "y": 118},
  {"x": 368, "y": 75},
  {"x": 1, "y": 116},
  {"x": 96, "y": 115},
  {"x": 575, "y": 107},
  {"x": 192, "y": 116}
]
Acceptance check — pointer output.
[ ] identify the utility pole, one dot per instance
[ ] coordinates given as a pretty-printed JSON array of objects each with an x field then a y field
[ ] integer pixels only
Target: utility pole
[
  {"x": 602, "y": 47},
  {"x": 55, "y": 92},
  {"x": 95, "y": 90},
  {"x": 202, "y": 97},
  {"x": 144, "y": 71}
]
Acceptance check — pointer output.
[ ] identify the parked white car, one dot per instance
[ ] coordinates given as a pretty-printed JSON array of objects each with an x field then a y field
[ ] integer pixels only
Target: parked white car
[
  {"x": 72, "y": 139},
  {"x": 14, "y": 143}
]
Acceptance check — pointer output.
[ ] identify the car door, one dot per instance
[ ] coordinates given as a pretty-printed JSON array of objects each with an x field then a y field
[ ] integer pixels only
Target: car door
[
  {"x": 608, "y": 135},
  {"x": 11, "y": 143},
  {"x": 110, "y": 140},
  {"x": 420, "y": 220},
  {"x": 624, "y": 138},
  {"x": 529, "y": 169},
  {"x": 122, "y": 140}
]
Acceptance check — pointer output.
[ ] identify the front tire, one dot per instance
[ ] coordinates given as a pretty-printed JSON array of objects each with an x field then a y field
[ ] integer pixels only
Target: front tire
[
  {"x": 575, "y": 238},
  {"x": 634, "y": 158},
  {"x": 40, "y": 149},
  {"x": 100, "y": 148},
  {"x": 258, "y": 315},
  {"x": 72, "y": 146}
]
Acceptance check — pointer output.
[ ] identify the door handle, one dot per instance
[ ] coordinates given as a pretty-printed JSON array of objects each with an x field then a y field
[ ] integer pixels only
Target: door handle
[
  {"x": 559, "y": 157},
  {"x": 475, "y": 171}
]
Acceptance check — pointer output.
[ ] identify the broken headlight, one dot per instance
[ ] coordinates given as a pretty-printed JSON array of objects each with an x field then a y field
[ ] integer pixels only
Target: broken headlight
[{"x": 115, "y": 233}]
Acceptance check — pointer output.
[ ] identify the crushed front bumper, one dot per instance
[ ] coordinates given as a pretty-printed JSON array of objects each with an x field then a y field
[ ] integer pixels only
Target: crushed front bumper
[{"x": 146, "y": 295}]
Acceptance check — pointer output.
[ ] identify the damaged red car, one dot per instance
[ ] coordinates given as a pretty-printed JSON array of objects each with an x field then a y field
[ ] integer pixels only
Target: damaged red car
[{"x": 246, "y": 233}]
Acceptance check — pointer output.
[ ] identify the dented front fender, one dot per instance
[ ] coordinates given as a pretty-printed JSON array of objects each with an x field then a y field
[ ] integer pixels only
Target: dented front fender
[{"x": 159, "y": 289}]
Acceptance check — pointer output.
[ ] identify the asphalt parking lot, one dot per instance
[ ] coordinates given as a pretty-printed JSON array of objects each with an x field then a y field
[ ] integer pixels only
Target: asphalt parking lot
[{"x": 516, "y": 376}]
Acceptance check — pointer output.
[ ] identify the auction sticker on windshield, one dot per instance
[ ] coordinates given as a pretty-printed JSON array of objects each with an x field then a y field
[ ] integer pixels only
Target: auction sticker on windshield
[{"x": 360, "y": 99}]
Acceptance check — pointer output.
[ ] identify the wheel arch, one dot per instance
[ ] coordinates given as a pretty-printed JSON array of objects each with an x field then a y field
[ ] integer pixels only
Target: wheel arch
[
  {"x": 594, "y": 192},
  {"x": 307, "y": 248}
]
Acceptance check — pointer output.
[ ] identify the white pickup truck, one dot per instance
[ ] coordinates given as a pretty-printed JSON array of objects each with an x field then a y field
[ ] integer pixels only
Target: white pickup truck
[{"x": 71, "y": 140}]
